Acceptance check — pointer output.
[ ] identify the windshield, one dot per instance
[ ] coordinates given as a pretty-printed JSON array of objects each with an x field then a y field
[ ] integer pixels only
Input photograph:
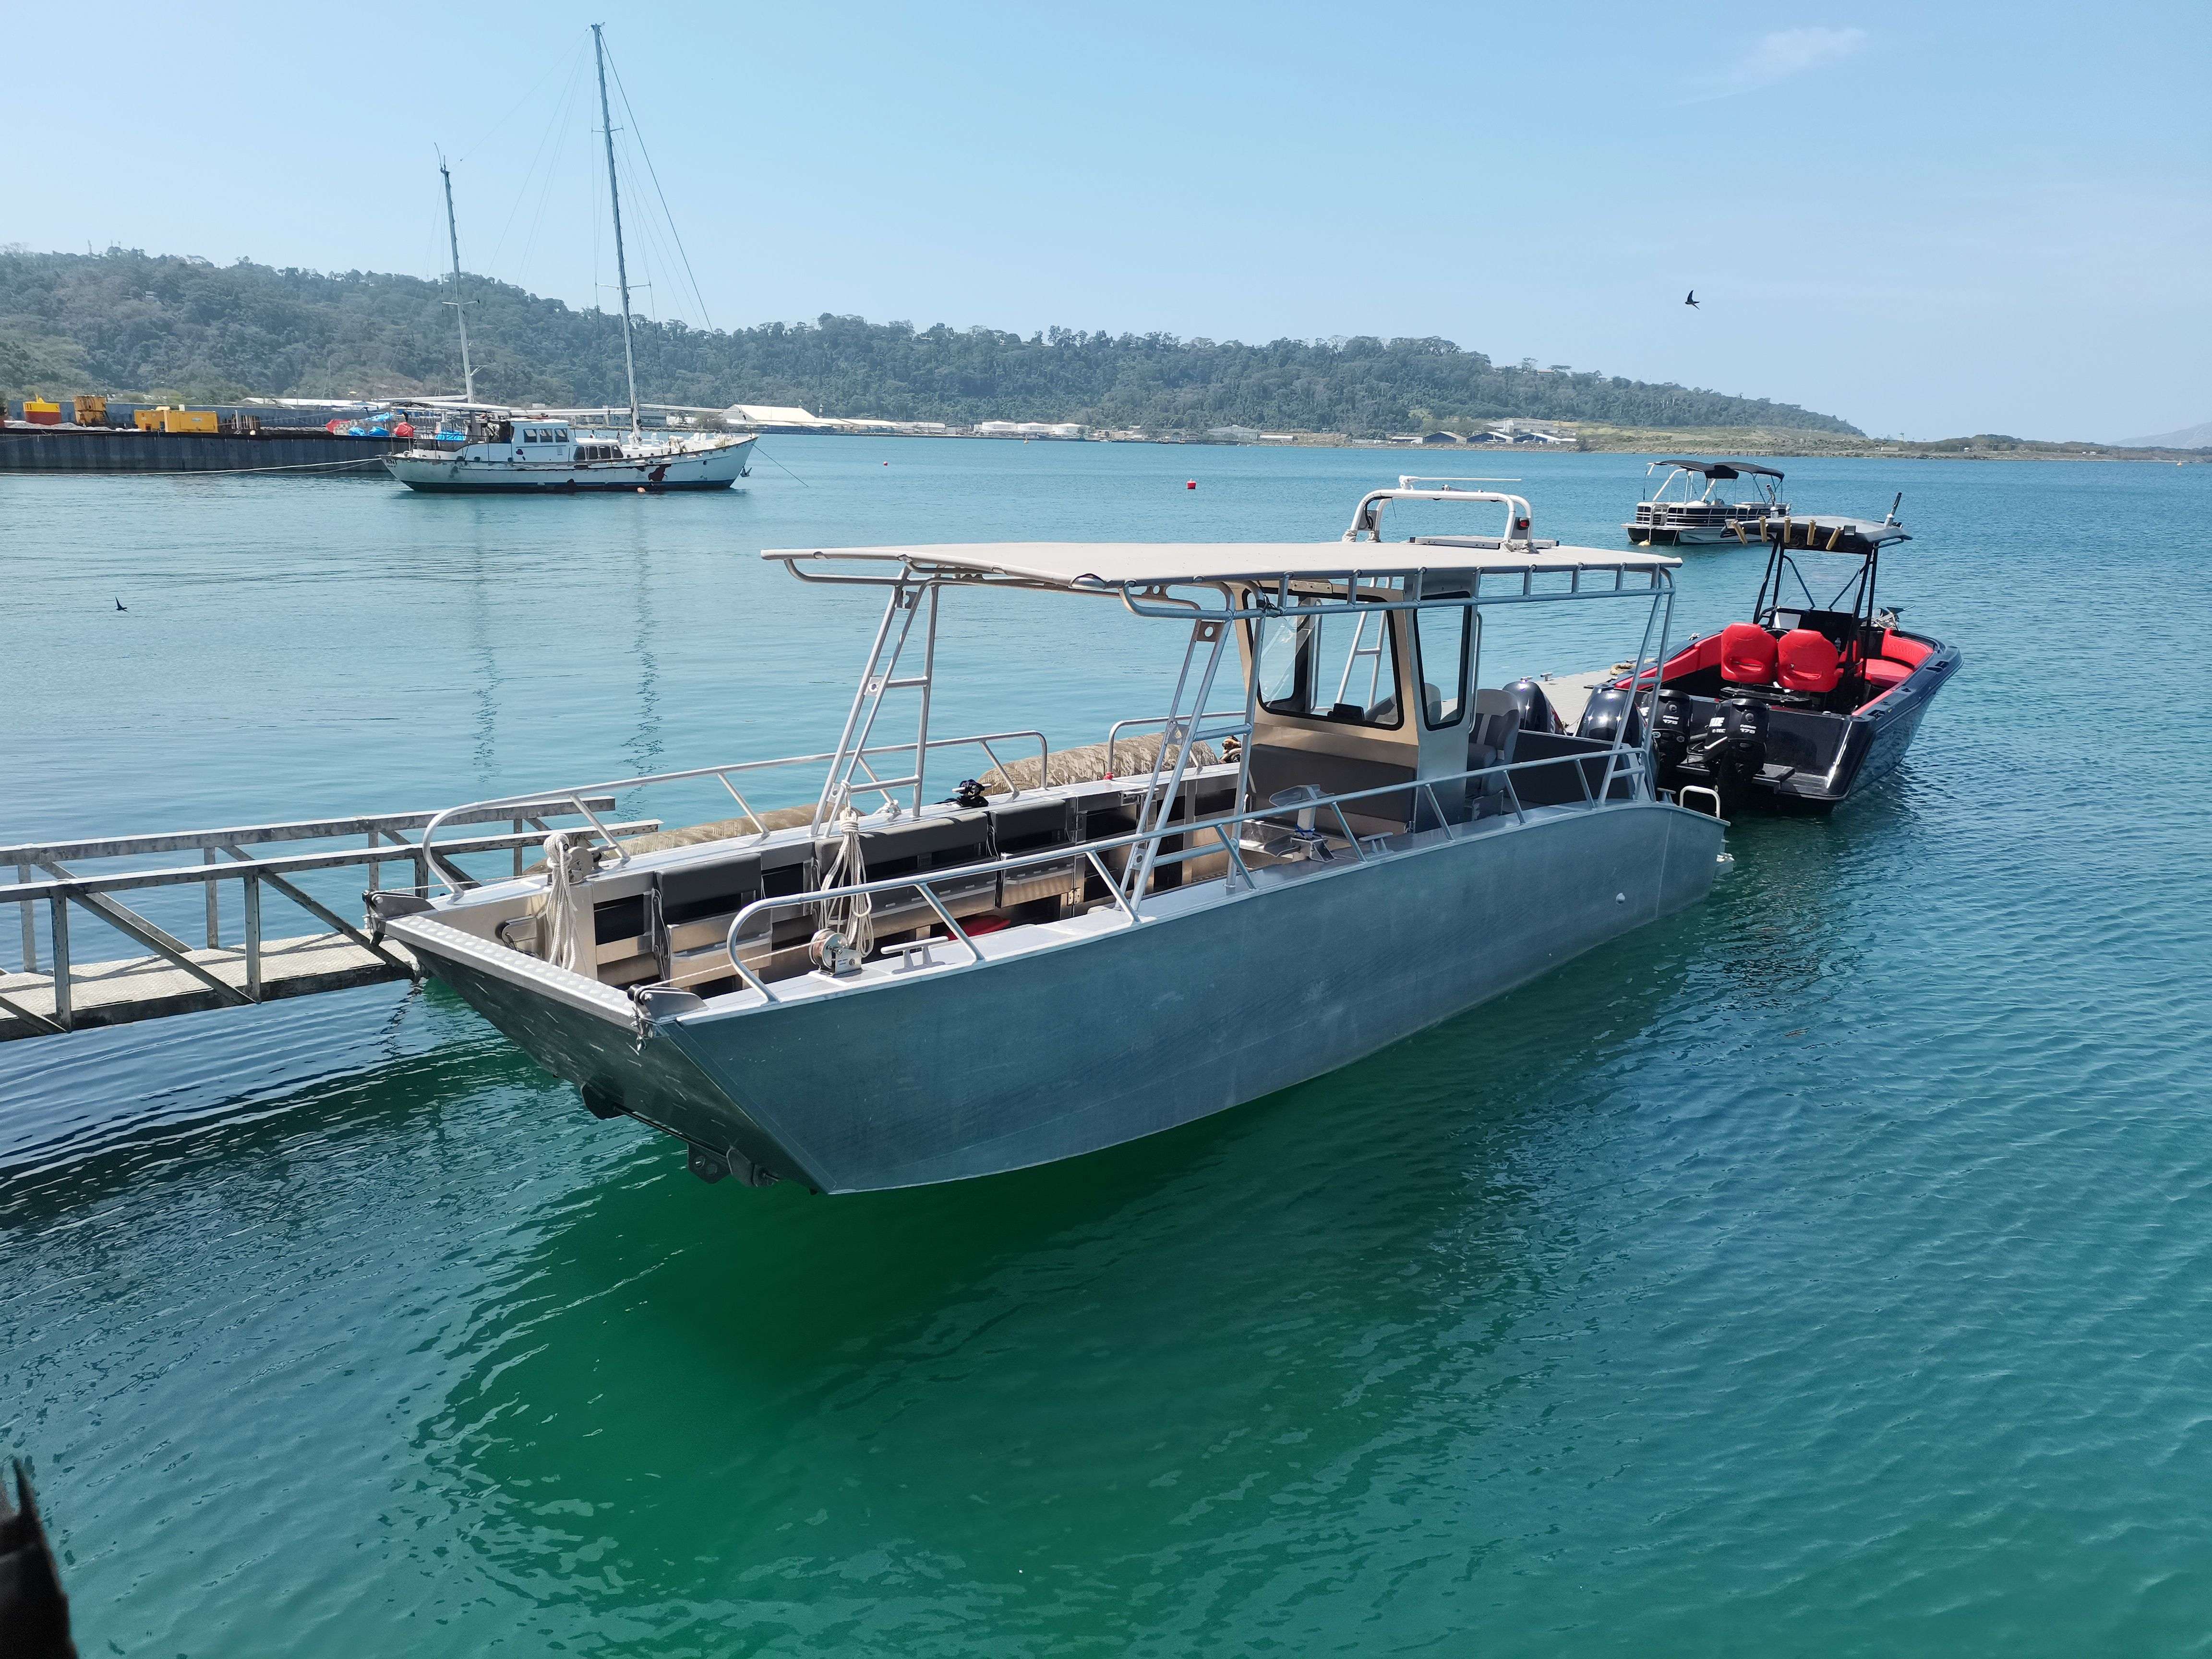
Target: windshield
[{"x": 1339, "y": 666}]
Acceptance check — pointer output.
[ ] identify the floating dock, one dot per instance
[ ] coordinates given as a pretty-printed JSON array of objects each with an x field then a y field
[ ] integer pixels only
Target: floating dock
[{"x": 26, "y": 448}]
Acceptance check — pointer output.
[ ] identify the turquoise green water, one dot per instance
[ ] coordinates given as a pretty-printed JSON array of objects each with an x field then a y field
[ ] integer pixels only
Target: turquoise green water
[{"x": 1828, "y": 1270}]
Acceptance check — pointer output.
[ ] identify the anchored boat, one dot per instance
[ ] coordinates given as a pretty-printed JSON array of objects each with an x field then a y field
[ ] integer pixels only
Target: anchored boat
[
  {"x": 509, "y": 454},
  {"x": 1679, "y": 515},
  {"x": 884, "y": 990},
  {"x": 525, "y": 454},
  {"x": 1809, "y": 701}
]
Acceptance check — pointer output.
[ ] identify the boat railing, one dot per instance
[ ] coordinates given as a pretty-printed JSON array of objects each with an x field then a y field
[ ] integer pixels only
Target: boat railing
[
  {"x": 1620, "y": 762},
  {"x": 1113, "y": 733},
  {"x": 583, "y": 800}
]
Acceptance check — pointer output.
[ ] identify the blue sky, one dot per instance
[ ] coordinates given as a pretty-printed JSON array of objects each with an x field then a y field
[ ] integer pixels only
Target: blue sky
[{"x": 1928, "y": 220}]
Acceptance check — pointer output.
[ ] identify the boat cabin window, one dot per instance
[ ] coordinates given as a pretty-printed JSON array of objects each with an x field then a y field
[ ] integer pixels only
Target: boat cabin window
[
  {"x": 1443, "y": 637},
  {"x": 1334, "y": 667}
]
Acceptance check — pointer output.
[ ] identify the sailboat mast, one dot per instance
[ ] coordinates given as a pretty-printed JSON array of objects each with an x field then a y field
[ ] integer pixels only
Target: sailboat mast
[
  {"x": 454, "y": 235},
  {"x": 614, "y": 195}
]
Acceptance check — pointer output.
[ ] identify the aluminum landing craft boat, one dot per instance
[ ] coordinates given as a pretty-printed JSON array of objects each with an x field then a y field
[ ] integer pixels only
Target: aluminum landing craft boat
[
  {"x": 1806, "y": 704},
  {"x": 932, "y": 991},
  {"x": 525, "y": 456},
  {"x": 1676, "y": 514}
]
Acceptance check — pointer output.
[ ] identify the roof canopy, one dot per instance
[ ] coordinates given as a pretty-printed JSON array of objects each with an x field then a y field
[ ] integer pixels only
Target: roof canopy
[
  {"x": 1720, "y": 469},
  {"x": 1091, "y": 567}
]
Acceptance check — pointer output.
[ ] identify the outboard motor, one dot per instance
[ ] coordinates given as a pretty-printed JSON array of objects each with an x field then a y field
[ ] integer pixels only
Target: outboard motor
[
  {"x": 1736, "y": 746},
  {"x": 1606, "y": 712},
  {"x": 1537, "y": 713},
  {"x": 1670, "y": 730}
]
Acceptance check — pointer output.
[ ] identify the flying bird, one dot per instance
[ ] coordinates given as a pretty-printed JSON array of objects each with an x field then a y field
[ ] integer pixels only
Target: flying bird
[
  {"x": 119, "y": 605},
  {"x": 1692, "y": 300}
]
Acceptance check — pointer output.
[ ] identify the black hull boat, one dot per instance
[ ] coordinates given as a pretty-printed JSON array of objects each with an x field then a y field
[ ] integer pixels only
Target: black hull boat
[{"x": 1808, "y": 704}]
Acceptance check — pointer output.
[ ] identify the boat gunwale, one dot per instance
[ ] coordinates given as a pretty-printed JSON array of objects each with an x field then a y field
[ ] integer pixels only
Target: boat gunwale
[{"x": 492, "y": 957}]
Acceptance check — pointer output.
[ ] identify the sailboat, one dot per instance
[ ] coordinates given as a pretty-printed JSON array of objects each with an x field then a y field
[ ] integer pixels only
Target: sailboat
[{"x": 510, "y": 453}]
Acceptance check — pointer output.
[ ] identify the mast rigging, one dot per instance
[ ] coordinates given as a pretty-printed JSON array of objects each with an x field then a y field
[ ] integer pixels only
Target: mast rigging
[
  {"x": 614, "y": 197},
  {"x": 454, "y": 235}
]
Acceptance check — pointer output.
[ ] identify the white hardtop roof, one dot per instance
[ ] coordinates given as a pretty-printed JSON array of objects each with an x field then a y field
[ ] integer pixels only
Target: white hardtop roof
[{"x": 1094, "y": 565}]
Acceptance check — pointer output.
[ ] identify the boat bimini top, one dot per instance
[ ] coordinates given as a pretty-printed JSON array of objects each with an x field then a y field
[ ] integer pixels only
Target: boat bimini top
[
  {"x": 1721, "y": 470},
  {"x": 1141, "y": 573}
]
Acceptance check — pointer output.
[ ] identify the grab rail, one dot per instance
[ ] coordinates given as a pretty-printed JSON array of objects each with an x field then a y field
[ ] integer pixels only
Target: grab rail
[
  {"x": 722, "y": 775},
  {"x": 1113, "y": 732},
  {"x": 1621, "y": 762}
]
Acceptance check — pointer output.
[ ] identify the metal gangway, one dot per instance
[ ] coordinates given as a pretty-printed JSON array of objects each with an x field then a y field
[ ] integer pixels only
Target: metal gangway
[{"x": 57, "y": 990}]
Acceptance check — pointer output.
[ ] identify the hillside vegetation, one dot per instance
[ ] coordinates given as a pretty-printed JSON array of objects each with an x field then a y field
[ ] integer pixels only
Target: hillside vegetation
[{"x": 125, "y": 321}]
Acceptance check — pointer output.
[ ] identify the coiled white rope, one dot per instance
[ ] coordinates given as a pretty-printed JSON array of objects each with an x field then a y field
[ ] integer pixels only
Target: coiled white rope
[
  {"x": 852, "y": 917},
  {"x": 571, "y": 941}
]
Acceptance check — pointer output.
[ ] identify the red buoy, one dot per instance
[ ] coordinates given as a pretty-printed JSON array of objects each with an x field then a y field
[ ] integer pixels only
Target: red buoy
[{"x": 1190, "y": 483}]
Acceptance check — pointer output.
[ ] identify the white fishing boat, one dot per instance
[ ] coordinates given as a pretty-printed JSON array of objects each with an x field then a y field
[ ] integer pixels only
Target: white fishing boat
[
  {"x": 508, "y": 453},
  {"x": 881, "y": 989},
  {"x": 1679, "y": 514}
]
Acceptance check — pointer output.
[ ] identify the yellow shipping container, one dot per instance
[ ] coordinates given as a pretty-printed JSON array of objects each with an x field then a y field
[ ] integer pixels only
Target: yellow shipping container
[
  {"x": 188, "y": 420},
  {"x": 148, "y": 420},
  {"x": 90, "y": 412}
]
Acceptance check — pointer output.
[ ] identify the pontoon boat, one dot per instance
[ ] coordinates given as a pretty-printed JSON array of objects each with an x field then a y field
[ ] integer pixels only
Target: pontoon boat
[
  {"x": 885, "y": 989},
  {"x": 1676, "y": 514}
]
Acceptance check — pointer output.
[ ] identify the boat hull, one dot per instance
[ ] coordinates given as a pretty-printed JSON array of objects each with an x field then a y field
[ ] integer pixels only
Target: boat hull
[
  {"x": 442, "y": 474},
  {"x": 1031, "y": 1058}
]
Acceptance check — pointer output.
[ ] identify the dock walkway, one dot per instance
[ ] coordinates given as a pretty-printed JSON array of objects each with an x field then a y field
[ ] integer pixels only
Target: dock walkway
[
  {"x": 152, "y": 988},
  {"x": 51, "y": 992}
]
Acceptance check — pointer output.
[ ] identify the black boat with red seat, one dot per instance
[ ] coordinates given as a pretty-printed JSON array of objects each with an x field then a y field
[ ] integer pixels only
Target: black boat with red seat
[{"x": 1809, "y": 701}]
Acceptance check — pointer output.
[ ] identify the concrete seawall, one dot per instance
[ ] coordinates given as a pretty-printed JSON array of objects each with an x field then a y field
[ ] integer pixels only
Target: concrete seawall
[{"x": 24, "y": 449}]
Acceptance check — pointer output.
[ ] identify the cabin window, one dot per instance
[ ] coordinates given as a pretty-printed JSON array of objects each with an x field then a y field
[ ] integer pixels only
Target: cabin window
[
  {"x": 1443, "y": 638},
  {"x": 1336, "y": 666}
]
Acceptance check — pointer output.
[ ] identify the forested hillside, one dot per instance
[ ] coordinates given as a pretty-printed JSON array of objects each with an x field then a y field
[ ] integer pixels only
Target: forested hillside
[{"x": 131, "y": 322}]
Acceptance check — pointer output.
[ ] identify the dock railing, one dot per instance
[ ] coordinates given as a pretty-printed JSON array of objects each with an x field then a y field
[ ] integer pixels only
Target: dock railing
[{"x": 45, "y": 879}]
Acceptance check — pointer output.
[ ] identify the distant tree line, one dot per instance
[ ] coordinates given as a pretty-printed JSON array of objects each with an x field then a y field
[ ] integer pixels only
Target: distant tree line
[{"x": 132, "y": 322}]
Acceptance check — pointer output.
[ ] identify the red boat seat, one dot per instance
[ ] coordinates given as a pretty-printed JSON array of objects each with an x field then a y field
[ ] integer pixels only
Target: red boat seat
[
  {"x": 1882, "y": 673},
  {"x": 1911, "y": 653},
  {"x": 1808, "y": 662},
  {"x": 1746, "y": 655}
]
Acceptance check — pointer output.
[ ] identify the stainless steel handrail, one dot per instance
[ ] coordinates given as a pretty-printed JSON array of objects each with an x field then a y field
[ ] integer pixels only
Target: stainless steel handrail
[
  {"x": 1113, "y": 732},
  {"x": 722, "y": 774},
  {"x": 1632, "y": 768}
]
